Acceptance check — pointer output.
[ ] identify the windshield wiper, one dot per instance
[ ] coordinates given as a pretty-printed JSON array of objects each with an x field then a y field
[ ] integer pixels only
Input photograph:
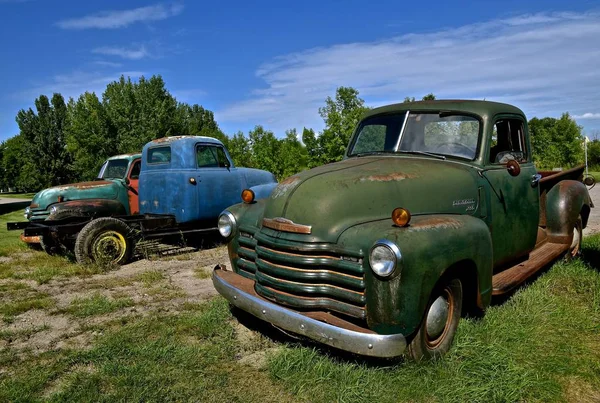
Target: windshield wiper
[
  {"x": 371, "y": 153},
  {"x": 434, "y": 155}
]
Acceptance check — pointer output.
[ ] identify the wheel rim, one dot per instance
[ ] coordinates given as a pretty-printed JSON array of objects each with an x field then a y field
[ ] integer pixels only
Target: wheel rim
[
  {"x": 110, "y": 246},
  {"x": 576, "y": 239},
  {"x": 439, "y": 318}
]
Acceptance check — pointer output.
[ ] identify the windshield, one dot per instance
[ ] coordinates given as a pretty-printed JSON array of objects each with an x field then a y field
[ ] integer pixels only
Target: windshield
[
  {"x": 114, "y": 169},
  {"x": 440, "y": 133}
]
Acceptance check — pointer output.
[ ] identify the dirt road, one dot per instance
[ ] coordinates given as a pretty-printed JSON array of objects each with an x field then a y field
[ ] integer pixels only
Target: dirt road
[{"x": 593, "y": 225}]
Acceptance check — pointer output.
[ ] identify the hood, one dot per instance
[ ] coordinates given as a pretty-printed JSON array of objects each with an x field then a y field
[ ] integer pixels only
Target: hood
[
  {"x": 334, "y": 197},
  {"x": 100, "y": 189}
]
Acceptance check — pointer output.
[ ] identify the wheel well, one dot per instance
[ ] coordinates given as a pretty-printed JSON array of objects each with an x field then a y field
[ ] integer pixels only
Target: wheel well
[{"x": 466, "y": 272}]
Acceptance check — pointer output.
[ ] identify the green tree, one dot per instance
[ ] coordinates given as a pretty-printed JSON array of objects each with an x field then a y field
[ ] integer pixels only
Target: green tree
[
  {"x": 556, "y": 142},
  {"x": 265, "y": 150},
  {"x": 196, "y": 121},
  {"x": 47, "y": 161},
  {"x": 292, "y": 156},
  {"x": 240, "y": 150},
  {"x": 140, "y": 112},
  {"x": 90, "y": 136}
]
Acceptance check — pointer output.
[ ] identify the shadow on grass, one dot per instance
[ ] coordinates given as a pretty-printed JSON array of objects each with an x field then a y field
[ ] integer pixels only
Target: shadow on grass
[{"x": 288, "y": 339}]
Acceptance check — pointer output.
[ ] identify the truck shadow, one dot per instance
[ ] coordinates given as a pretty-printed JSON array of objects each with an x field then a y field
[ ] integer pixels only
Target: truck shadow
[
  {"x": 175, "y": 246},
  {"x": 282, "y": 337}
]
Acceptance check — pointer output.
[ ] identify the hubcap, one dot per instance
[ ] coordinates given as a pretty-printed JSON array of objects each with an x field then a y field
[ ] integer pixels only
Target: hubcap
[
  {"x": 437, "y": 317},
  {"x": 109, "y": 247}
]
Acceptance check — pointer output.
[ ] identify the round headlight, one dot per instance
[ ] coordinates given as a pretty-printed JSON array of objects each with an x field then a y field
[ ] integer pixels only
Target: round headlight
[
  {"x": 27, "y": 212},
  {"x": 226, "y": 224},
  {"x": 384, "y": 258}
]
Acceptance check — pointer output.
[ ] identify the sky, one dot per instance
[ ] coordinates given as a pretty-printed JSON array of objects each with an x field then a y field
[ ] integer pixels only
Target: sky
[{"x": 273, "y": 63}]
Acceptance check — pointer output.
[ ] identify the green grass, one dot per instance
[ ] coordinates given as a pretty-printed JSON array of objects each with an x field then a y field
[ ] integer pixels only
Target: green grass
[
  {"x": 97, "y": 304},
  {"x": 17, "y": 195},
  {"x": 151, "y": 277},
  {"x": 16, "y": 298},
  {"x": 188, "y": 357}
]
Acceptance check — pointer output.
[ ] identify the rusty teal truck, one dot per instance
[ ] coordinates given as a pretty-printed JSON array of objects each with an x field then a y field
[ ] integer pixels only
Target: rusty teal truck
[
  {"x": 114, "y": 192},
  {"x": 436, "y": 207}
]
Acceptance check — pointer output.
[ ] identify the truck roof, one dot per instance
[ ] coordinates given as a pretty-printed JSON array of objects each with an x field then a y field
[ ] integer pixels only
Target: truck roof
[
  {"x": 194, "y": 139},
  {"x": 480, "y": 108},
  {"x": 130, "y": 156}
]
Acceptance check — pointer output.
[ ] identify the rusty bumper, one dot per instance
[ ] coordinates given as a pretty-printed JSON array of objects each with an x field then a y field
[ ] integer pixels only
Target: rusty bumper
[
  {"x": 239, "y": 291},
  {"x": 30, "y": 239}
]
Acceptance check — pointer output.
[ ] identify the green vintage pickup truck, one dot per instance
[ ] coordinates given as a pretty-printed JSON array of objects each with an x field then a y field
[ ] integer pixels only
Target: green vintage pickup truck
[{"x": 436, "y": 207}]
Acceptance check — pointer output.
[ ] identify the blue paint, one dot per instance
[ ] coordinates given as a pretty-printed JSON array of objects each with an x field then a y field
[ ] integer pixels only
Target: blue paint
[{"x": 177, "y": 185}]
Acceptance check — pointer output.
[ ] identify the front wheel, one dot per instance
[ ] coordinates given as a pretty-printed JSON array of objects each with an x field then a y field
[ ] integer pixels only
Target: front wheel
[
  {"x": 104, "y": 240},
  {"x": 436, "y": 333}
]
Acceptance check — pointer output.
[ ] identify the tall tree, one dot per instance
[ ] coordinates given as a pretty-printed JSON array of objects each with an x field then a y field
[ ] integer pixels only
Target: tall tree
[
  {"x": 556, "y": 142},
  {"x": 293, "y": 156},
  {"x": 90, "y": 136},
  {"x": 196, "y": 121},
  {"x": 240, "y": 150},
  {"x": 265, "y": 150}
]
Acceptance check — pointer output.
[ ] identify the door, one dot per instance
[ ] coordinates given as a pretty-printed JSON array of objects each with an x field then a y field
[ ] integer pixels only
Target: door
[
  {"x": 218, "y": 182},
  {"x": 514, "y": 200},
  {"x": 133, "y": 186}
]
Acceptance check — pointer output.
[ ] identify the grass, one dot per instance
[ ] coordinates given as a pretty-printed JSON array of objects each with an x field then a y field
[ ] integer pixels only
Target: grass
[
  {"x": 96, "y": 304},
  {"x": 16, "y": 298},
  {"x": 151, "y": 277},
  {"x": 17, "y": 195}
]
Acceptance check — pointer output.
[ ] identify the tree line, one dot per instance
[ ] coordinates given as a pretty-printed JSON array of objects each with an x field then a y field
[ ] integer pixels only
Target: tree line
[{"x": 67, "y": 141}]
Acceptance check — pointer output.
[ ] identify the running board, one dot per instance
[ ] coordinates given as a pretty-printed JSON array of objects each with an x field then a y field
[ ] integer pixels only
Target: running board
[{"x": 509, "y": 279}]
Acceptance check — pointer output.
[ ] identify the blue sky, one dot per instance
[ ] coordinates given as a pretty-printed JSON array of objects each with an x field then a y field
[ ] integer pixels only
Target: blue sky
[{"x": 273, "y": 62}]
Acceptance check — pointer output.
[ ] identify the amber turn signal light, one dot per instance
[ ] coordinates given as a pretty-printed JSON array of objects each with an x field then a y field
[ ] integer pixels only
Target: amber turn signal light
[
  {"x": 61, "y": 198},
  {"x": 401, "y": 216},
  {"x": 247, "y": 196}
]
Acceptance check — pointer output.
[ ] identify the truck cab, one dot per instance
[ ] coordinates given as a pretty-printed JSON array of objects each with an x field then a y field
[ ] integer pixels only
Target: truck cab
[
  {"x": 193, "y": 178},
  {"x": 436, "y": 207}
]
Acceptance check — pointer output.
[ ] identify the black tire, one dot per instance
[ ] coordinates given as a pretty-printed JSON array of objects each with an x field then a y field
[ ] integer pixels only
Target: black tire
[
  {"x": 53, "y": 246},
  {"x": 434, "y": 344},
  {"x": 575, "y": 248},
  {"x": 105, "y": 241}
]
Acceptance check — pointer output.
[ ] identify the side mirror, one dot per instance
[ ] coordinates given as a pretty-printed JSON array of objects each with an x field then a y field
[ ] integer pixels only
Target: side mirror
[{"x": 513, "y": 167}]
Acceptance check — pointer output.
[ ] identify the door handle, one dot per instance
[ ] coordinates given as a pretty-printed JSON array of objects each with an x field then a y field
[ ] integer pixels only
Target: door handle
[{"x": 535, "y": 179}]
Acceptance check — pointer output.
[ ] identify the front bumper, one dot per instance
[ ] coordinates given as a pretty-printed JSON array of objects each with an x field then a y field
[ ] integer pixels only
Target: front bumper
[
  {"x": 30, "y": 239},
  {"x": 239, "y": 291}
]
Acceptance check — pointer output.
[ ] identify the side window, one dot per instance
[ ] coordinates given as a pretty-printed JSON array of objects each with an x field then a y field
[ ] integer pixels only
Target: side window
[
  {"x": 211, "y": 157},
  {"x": 222, "y": 157},
  {"x": 508, "y": 142},
  {"x": 135, "y": 170},
  {"x": 159, "y": 155}
]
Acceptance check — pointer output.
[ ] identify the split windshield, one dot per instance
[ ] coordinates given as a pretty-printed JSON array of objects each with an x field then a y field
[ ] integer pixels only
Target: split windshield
[
  {"x": 437, "y": 134},
  {"x": 114, "y": 169}
]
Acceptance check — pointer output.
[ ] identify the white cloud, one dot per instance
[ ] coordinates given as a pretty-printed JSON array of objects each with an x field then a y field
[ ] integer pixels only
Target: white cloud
[
  {"x": 125, "y": 53},
  {"x": 105, "y": 63},
  {"x": 545, "y": 63},
  {"x": 587, "y": 115},
  {"x": 76, "y": 83},
  {"x": 122, "y": 18}
]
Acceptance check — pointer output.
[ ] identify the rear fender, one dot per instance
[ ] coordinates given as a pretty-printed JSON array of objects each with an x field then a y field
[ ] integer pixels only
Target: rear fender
[
  {"x": 87, "y": 208},
  {"x": 565, "y": 201},
  {"x": 430, "y": 246}
]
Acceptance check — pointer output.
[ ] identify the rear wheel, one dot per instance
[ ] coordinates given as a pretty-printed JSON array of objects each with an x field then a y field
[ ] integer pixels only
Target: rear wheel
[
  {"x": 436, "y": 333},
  {"x": 104, "y": 240}
]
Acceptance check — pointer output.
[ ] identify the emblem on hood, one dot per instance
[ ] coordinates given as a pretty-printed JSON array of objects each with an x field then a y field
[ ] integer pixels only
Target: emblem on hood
[{"x": 285, "y": 225}]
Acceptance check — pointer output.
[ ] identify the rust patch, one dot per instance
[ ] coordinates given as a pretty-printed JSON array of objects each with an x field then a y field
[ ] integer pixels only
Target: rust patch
[
  {"x": 169, "y": 139},
  {"x": 83, "y": 185},
  {"x": 394, "y": 176},
  {"x": 34, "y": 205},
  {"x": 30, "y": 239},
  {"x": 285, "y": 186},
  {"x": 436, "y": 223}
]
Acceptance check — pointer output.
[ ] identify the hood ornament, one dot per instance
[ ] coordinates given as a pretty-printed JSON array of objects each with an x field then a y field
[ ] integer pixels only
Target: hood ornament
[{"x": 285, "y": 225}]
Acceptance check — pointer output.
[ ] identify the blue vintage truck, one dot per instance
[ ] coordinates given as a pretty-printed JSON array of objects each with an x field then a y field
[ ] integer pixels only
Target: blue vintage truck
[{"x": 185, "y": 182}]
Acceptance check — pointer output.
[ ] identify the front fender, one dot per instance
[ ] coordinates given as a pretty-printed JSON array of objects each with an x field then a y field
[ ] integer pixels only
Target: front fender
[
  {"x": 430, "y": 245},
  {"x": 565, "y": 201},
  {"x": 263, "y": 191},
  {"x": 86, "y": 208}
]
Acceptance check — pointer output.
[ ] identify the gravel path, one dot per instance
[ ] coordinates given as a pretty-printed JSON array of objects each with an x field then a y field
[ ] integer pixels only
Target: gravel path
[{"x": 593, "y": 225}]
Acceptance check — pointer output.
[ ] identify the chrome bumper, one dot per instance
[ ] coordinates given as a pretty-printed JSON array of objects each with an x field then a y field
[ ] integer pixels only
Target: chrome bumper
[{"x": 363, "y": 343}]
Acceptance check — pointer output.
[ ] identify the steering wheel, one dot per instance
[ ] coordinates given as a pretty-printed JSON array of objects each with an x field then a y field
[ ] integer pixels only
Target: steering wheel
[{"x": 442, "y": 147}]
